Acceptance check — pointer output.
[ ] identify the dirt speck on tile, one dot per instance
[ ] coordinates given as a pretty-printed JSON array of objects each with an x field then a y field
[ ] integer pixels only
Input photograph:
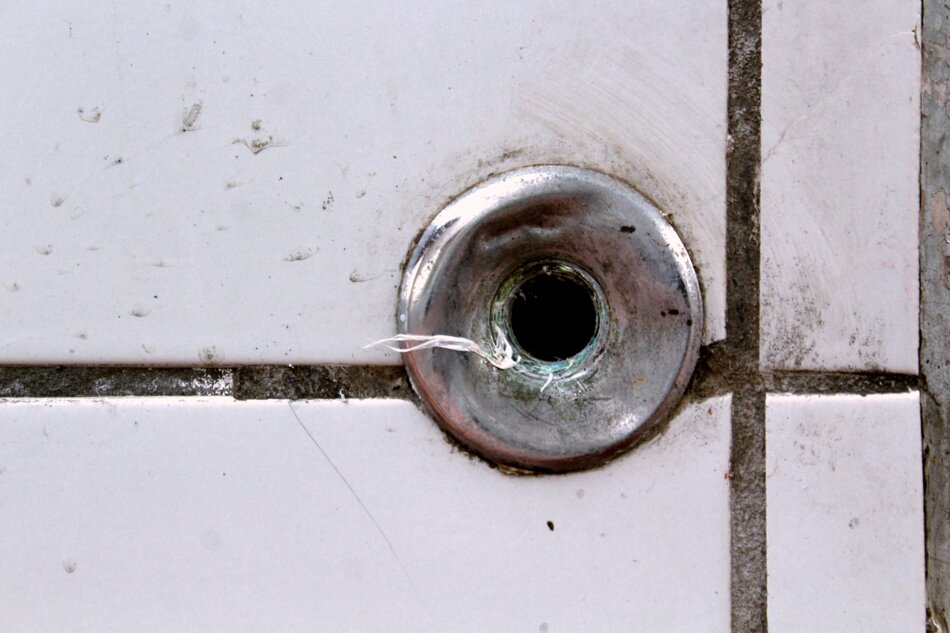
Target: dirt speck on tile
[
  {"x": 93, "y": 115},
  {"x": 190, "y": 119}
]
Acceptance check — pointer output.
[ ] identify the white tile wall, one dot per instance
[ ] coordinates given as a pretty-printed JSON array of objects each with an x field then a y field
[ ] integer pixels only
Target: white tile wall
[
  {"x": 840, "y": 145},
  {"x": 211, "y": 515},
  {"x": 321, "y": 137},
  {"x": 209, "y": 184},
  {"x": 845, "y": 514}
]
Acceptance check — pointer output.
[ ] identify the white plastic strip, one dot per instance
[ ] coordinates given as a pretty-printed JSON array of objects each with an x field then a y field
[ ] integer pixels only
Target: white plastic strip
[{"x": 502, "y": 357}]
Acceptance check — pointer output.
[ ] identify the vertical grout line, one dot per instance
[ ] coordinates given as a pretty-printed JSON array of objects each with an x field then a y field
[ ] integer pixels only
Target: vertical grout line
[
  {"x": 934, "y": 299},
  {"x": 742, "y": 179},
  {"x": 747, "y": 495},
  {"x": 749, "y": 590}
]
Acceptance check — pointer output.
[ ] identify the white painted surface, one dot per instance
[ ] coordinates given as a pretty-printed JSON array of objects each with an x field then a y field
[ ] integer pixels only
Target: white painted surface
[
  {"x": 171, "y": 515},
  {"x": 840, "y": 127},
  {"x": 128, "y": 240},
  {"x": 845, "y": 514}
]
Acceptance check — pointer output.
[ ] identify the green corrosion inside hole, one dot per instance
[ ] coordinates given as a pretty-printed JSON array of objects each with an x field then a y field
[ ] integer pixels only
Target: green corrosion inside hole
[{"x": 552, "y": 312}]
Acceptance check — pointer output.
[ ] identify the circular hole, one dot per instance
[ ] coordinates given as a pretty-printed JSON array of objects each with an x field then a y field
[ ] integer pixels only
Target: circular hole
[{"x": 552, "y": 316}]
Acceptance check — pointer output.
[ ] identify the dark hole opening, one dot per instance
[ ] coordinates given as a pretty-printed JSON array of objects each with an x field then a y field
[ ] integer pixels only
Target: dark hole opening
[{"x": 553, "y": 317}]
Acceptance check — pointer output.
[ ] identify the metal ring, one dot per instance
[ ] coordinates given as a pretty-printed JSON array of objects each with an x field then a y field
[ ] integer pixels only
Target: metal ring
[{"x": 621, "y": 275}]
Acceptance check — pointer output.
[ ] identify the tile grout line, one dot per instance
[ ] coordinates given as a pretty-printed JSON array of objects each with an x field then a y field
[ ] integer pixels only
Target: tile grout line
[
  {"x": 321, "y": 382},
  {"x": 837, "y": 383},
  {"x": 749, "y": 572},
  {"x": 748, "y": 582},
  {"x": 934, "y": 231}
]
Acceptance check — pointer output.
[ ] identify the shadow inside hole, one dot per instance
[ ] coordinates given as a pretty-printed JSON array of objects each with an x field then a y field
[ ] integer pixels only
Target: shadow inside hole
[{"x": 552, "y": 317}]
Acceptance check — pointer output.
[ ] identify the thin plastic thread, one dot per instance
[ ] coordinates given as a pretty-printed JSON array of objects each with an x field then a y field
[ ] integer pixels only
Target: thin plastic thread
[{"x": 503, "y": 357}]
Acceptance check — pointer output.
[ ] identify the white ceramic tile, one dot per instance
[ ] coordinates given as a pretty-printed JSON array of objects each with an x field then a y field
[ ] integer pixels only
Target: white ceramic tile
[
  {"x": 840, "y": 126},
  {"x": 170, "y": 515},
  {"x": 845, "y": 514},
  {"x": 126, "y": 239}
]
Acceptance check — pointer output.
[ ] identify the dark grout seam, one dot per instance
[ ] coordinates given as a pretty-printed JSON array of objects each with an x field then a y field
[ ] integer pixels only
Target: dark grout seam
[
  {"x": 721, "y": 370},
  {"x": 934, "y": 298},
  {"x": 263, "y": 382},
  {"x": 838, "y": 383},
  {"x": 334, "y": 382},
  {"x": 749, "y": 575},
  {"x": 322, "y": 382},
  {"x": 91, "y": 381},
  {"x": 749, "y": 578}
]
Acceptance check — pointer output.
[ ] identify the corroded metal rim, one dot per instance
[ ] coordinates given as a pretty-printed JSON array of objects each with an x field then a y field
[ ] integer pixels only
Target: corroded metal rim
[
  {"x": 574, "y": 413},
  {"x": 503, "y": 335}
]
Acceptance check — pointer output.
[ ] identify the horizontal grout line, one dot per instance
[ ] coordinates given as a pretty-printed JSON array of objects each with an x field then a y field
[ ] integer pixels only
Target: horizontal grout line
[
  {"x": 74, "y": 381},
  {"x": 316, "y": 382},
  {"x": 255, "y": 382},
  {"x": 723, "y": 369},
  {"x": 305, "y": 382},
  {"x": 833, "y": 382}
]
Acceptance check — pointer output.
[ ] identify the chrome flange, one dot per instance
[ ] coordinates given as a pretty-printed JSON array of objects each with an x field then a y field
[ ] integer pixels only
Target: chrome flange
[{"x": 586, "y": 282}]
